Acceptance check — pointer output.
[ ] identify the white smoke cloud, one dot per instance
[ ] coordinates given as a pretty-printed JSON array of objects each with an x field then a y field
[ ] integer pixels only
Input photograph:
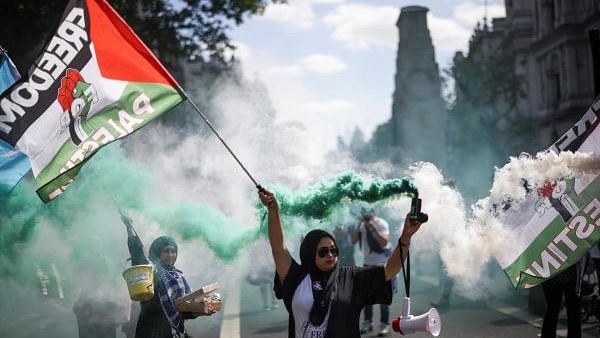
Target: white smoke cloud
[{"x": 484, "y": 235}]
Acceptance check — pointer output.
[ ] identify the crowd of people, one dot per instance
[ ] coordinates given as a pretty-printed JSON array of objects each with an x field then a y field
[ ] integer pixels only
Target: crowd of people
[{"x": 325, "y": 292}]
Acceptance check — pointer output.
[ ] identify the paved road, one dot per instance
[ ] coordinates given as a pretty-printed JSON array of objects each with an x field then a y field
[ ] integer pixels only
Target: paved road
[
  {"x": 465, "y": 318},
  {"x": 243, "y": 315}
]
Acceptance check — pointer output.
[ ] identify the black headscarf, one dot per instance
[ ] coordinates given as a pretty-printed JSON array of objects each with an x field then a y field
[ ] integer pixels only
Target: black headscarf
[{"x": 327, "y": 280}]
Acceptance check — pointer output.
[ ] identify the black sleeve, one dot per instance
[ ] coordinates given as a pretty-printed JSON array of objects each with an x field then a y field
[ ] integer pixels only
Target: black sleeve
[
  {"x": 136, "y": 250},
  {"x": 285, "y": 290},
  {"x": 370, "y": 286}
]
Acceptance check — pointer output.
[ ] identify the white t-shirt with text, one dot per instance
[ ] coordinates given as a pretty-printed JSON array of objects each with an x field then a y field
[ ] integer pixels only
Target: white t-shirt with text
[{"x": 302, "y": 303}]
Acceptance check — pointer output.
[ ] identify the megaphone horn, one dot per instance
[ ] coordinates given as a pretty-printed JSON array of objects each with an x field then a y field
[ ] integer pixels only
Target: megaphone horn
[{"x": 407, "y": 323}]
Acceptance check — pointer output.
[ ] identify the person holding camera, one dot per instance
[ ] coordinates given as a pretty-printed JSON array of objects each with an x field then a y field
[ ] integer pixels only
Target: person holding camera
[
  {"x": 324, "y": 299},
  {"x": 372, "y": 234}
]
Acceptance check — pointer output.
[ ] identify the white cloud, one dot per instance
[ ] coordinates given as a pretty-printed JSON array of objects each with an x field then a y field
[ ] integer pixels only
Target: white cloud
[
  {"x": 327, "y": 2},
  {"x": 364, "y": 26},
  {"x": 298, "y": 14},
  {"x": 296, "y": 102},
  {"x": 323, "y": 64},
  {"x": 285, "y": 70},
  {"x": 312, "y": 63},
  {"x": 447, "y": 35},
  {"x": 468, "y": 13},
  {"x": 453, "y": 33}
]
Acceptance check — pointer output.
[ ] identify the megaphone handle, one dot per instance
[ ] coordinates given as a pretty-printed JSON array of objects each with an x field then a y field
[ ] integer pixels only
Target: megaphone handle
[{"x": 405, "y": 271}]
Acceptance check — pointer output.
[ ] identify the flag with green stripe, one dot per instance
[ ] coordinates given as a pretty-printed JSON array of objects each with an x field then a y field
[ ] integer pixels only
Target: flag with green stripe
[
  {"x": 558, "y": 222},
  {"x": 94, "y": 82}
]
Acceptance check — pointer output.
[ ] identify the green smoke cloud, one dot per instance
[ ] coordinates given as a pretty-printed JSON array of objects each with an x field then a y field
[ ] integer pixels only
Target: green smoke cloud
[
  {"x": 321, "y": 201},
  {"x": 112, "y": 179}
]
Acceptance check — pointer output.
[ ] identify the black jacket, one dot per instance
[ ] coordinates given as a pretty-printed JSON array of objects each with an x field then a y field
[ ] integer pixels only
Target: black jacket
[{"x": 356, "y": 287}]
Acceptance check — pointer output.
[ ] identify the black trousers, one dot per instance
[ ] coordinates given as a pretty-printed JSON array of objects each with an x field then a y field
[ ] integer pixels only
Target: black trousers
[{"x": 553, "y": 292}]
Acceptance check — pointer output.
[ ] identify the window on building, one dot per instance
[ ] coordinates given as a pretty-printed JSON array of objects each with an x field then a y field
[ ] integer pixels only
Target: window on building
[
  {"x": 551, "y": 15},
  {"x": 536, "y": 18},
  {"x": 554, "y": 94},
  {"x": 556, "y": 87}
]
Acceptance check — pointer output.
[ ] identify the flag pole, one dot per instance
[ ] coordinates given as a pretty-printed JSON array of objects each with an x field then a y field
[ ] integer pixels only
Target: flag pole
[{"x": 219, "y": 137}]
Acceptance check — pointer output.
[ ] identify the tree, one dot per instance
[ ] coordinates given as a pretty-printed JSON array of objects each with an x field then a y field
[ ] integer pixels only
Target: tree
[
  {"x": 172, "y": 29},
  {"x": 488, "y": 92},
  {"x": 485, "y": 124}
]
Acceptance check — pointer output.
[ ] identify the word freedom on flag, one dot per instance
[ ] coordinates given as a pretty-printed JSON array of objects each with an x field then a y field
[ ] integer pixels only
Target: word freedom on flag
[
  {"x": 558, "y": 222},
  {"x": 95, "y": 82},
  {"x": 13, "y": 164}
]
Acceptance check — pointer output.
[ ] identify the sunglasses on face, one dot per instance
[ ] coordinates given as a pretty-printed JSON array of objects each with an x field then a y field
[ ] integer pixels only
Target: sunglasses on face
[{"x": 322, "y": 252}]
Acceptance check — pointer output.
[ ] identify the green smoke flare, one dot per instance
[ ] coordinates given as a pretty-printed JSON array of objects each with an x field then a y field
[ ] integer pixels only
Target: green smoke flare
[
  {"x": 320, "y": 201},
  {"x": 82, "y": 212}
]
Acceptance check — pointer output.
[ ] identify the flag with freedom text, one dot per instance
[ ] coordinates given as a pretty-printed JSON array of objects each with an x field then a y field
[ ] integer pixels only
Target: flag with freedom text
[
  {"x": 13, "y": 164},
  {"x": 95, "y": 82}
]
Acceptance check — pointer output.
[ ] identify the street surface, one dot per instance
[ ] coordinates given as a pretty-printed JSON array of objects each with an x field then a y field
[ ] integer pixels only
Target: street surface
[{"x": 465, "y": 318}]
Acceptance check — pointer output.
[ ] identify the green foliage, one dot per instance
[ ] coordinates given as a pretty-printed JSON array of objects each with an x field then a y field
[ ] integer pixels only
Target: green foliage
[{"x": 484, "y": 121}]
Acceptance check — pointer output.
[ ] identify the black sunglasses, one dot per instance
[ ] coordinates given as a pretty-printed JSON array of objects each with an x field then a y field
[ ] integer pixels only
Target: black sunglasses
[{"x": 322, "y": 252}]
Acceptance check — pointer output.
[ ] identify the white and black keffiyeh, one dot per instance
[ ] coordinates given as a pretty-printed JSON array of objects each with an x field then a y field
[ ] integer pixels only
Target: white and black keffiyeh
[{"x": 172, "y": 285}]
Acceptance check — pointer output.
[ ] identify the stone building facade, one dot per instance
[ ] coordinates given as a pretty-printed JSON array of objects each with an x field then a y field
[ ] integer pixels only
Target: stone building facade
[
  {"x": 545, "y": 85},
  {"x": 550, "y": 41},
  {"x": 417, "y": 128},
  {"x": 418, "y": 110}
]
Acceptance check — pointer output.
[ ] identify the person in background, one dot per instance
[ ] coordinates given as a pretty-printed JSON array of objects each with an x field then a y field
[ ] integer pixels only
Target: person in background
[
  {"x": 372, "y": 234},
  {"x": 260, "y": 273},
  {"x": 595, "y": 257},
  {"x": 567, "y": 282},
  {"x": 324, "y": 299}
]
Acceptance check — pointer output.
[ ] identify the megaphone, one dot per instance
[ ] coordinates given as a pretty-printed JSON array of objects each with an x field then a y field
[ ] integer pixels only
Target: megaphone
[{"x": 407, "y": 323}]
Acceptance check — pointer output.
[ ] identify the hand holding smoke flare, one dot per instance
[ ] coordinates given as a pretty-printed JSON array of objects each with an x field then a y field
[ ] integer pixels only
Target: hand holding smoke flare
[
  {"x": 319, "y": 202},
  {"x": 134, "y": 243},
  {"x": 407, "y": 323},
  {"x": 415, "y": 211}
]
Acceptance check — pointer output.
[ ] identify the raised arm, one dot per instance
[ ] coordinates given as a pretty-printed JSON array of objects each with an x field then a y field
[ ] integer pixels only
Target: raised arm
[
  {"x": 281, "y": 255},
  {"x": 136, "y": 249},
  {"x": 393, "y": 264}
]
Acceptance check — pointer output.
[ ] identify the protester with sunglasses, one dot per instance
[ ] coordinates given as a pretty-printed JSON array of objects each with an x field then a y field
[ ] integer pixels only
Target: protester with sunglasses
[{"x": 322, "y": 298}]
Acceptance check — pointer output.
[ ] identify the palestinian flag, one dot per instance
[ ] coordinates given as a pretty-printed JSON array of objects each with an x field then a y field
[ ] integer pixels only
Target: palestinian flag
[
  {"x": 558, "y": 222},
  {"x": 95, "y": 82}
]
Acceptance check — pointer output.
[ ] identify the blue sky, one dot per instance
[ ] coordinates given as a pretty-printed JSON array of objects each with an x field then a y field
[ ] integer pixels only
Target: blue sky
[{"x": 331, "y": 63}]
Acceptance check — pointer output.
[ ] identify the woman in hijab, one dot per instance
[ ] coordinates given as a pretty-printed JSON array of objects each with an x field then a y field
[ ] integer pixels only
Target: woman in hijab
[
  {"x": 322, "y": 298},
  {"x": 159, "y": 317}
]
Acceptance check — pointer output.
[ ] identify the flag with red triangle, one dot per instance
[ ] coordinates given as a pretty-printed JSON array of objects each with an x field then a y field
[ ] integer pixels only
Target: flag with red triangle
[{"x": 94, "y": 82}]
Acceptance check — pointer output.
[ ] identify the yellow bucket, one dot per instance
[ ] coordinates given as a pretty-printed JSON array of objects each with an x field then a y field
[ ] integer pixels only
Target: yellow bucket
[{"x": 140, "y": 282}]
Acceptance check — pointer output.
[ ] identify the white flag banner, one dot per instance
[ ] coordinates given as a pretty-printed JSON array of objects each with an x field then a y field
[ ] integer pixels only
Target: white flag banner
[{"x": 558, "y": 221}]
